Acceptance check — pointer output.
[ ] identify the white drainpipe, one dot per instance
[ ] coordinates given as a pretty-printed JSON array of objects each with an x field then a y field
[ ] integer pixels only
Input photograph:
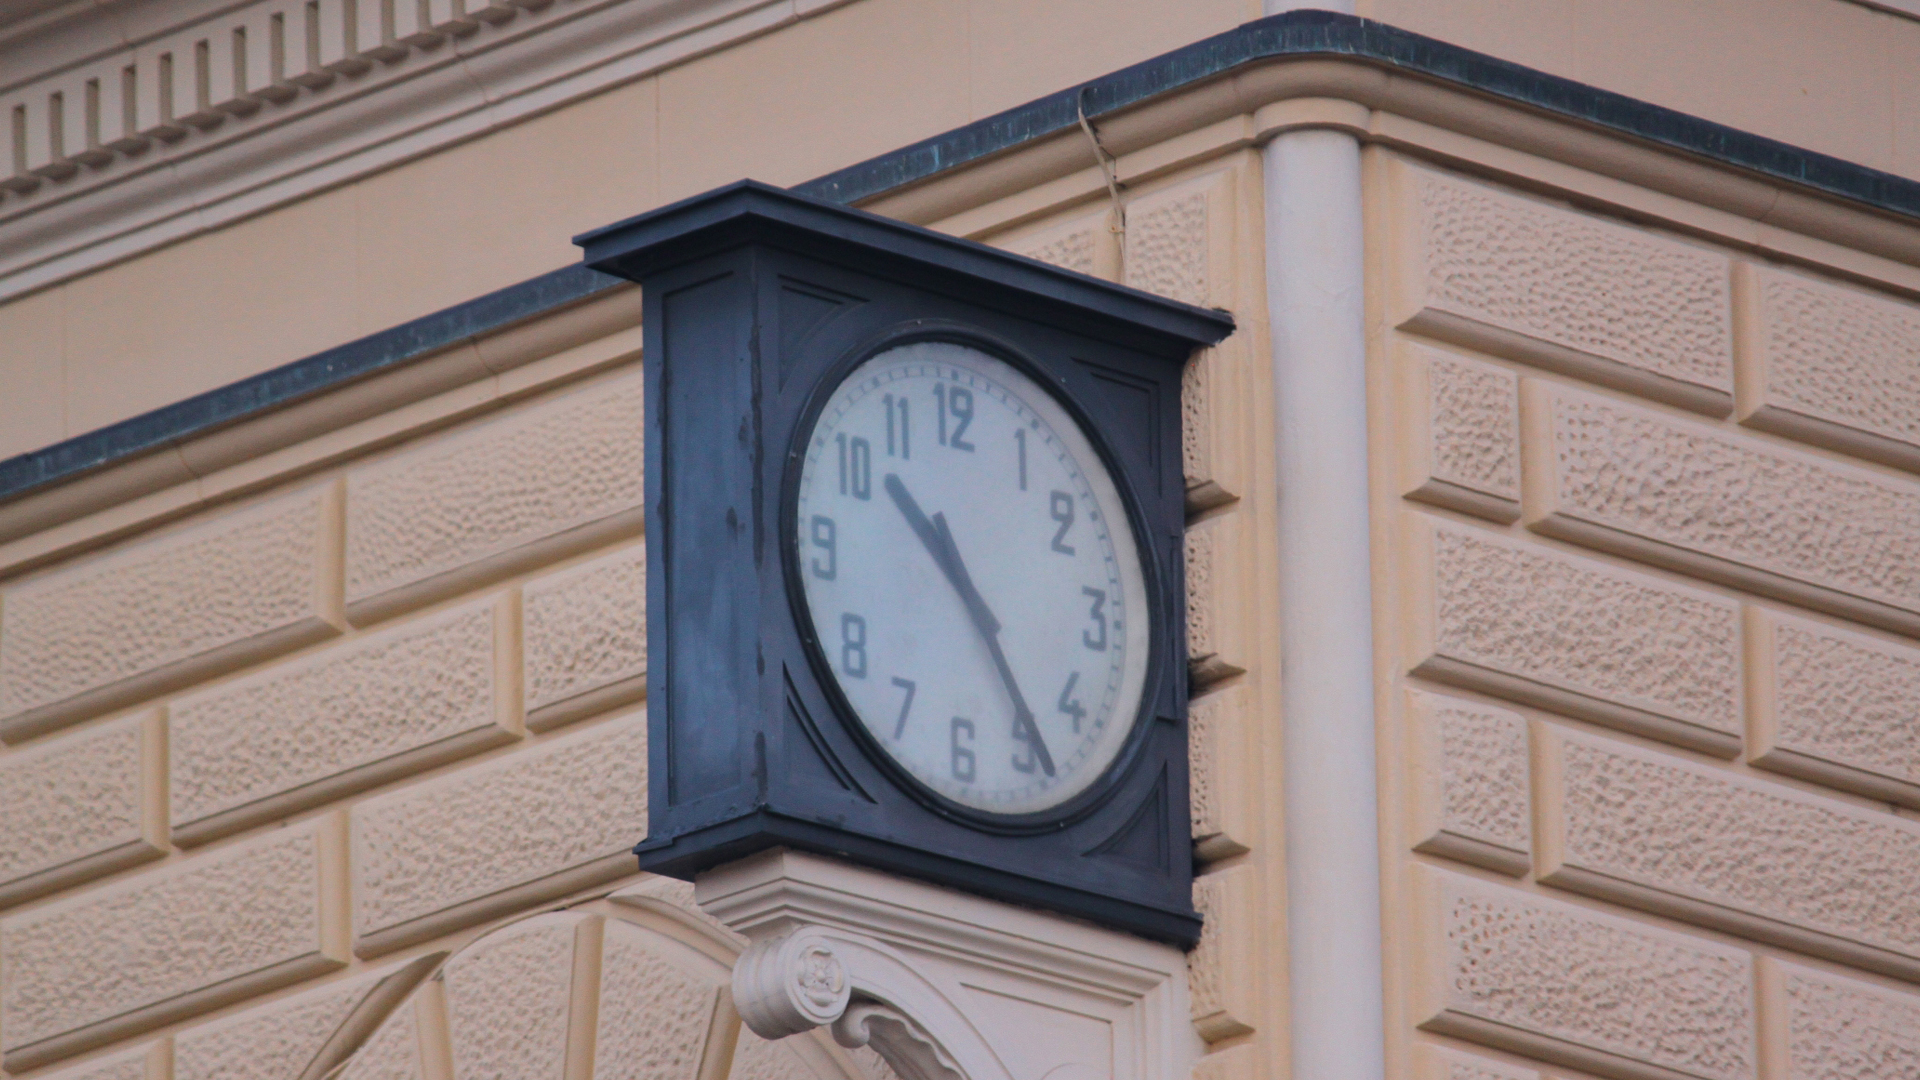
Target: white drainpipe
[{"x": 1315, "y": 303}]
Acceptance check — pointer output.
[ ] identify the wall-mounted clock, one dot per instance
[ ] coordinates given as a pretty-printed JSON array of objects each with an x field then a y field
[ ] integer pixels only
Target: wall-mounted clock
[{"x": 915, "y": 519}]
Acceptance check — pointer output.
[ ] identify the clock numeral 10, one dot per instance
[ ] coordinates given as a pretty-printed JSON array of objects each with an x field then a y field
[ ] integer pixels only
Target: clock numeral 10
[
  {"x": 957, "y": 400},
  {"x": 962, "y": 755},
  {"x": 856, "y": 467}
]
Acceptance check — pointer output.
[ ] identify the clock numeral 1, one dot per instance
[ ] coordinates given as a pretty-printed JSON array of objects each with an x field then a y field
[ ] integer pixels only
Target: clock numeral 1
[
  {"x": 962, "y": 755},
  {"x": 906, "y": 448},
  {"x": 1069, "y": 706},
  {"x": 1020, "y": 437},
  {"x": 1097, "y": 611},
  {"x": 900, "y": 725},
  {"x": 856, "y": 467},
  {"x": 853, "y": 646},
  {"x": 957, "y": 400},
  {"x": 823, "y": 538},
  {"x": 1061, "y": 508}
]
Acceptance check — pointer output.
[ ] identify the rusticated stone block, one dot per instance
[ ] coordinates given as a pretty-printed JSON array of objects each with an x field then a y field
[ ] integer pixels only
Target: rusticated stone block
[
  {"x": 1723, "y": 506},
  {"x": 83, "y": 805},
  {"x": 141, "y": 1063},
  {"x": 1216, "y": 638},
  {"x": 656, "y": 1015},
  {"x": 1708, "y": 846},
  {"x": 1469, "y": 781},
  {"x": 510, "y": 995},
  {"x": 1831, "y": 365},
  {"x": 1218, "y": 773},
  {"x": 1433, "y": 1063},
  {"x": 398, "y": 1048},
  {"x": 1574, "y": 635},
  {"x": 495, "y": 837},
  {"x": 1463, "y": 434},
  {"x": 1220, "y": 973},
  {"x": 343, "y": 719},
  {"x": 1826, "y": 1027},
  {"x": 1835, "y": 707},
  {"x": 1566, "y": 984},
  {"x": 165, "y": 945},
  {"x": 510, "y": 491},
  {"x": 585, "y": 630},
  {"x": 302, "y": 1036},
  {"x": 228, "y": 591},
  {"x": 1072, "y": 245},
  {"x": 1604, "y": 301},
  {"x": 754, "y": 1058},
  {"x": 1171, "y": 234}
]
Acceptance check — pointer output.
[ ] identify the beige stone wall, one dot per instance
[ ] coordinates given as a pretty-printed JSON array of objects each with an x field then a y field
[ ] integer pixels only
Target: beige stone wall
[{"x": 1645, "y": 546}]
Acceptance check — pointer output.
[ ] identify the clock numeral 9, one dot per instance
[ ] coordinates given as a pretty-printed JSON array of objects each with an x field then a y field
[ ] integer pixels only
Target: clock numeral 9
[
  {"x": 957, "y": 400},
  {"x": 1097, "y": 611},
  {"x": 962, "y": 755},
  {"x": 856, "y": 467},
  {"x": 823, "y": 538},
  {"x": 853, "y": 646},
  {"x": 1061, "y": 509}
]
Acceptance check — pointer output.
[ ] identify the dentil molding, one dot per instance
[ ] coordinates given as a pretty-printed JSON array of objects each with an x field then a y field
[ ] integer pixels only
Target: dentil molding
[
  {"x": 133, "y": 124},
  {"x": 943, "y": 985}
]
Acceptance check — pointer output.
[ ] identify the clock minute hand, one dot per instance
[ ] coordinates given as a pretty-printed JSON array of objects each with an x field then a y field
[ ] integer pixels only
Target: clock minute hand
[{"x": 938, "y": 539}]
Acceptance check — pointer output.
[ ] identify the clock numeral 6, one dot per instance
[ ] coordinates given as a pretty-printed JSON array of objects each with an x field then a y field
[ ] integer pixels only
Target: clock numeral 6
[
  {"x": 962, "y": 755},
  {"x": 853, "y": 646},
  {"x": 823, "y": 538},
  {"x": 1097, "y": 611}
]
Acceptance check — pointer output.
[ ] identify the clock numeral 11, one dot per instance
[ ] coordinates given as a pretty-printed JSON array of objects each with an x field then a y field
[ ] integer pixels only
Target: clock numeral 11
[{"x": 905, "y": 452}]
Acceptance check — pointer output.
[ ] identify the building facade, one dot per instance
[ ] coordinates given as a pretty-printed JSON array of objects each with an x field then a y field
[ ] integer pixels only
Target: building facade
[{"x": 1552, "y": 556}]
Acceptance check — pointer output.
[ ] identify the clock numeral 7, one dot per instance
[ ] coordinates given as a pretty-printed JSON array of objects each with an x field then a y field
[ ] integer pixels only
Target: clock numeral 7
[
  {"x": 1097, "y": 611},
  {"x": 962, "y": 755},
  {"x": 900, "y": 725}
]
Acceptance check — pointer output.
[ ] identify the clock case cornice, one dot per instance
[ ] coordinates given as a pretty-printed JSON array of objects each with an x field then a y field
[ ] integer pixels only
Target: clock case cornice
[{"x": 756, "y": 302}]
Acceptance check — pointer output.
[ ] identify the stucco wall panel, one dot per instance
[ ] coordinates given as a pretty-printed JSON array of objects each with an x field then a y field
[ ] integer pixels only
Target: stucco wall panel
[
  {"x": 585, "y": 638},
  {"x": 1219, "y": 640},
  {"x": 459, "y": 848},
  {"x": 1462, "y": 438},
  {"x": 509, "y": 997},
  {"x": 1434, "y": 1063},
  {"x": 1563, "y": 632},
  {"x": 82, "y": 805},
  {"x": 144, "y": 1063},
  {"x": 510, "y": 491},
  {"x": 1834, "y": 706},
  {"x": 1576, "y": 987},
  {"x": 1829, "y": 1027},
  {"x": 1469, "y": 781},
  {"x": 1223, "y": 979},
  {"x": 1605, "y": 301},
  {"x": 210, "y": 597},
  {"x": 342, "y": 719},
  {"x": 294, "y": 1037},
  {"x": 656, "y": 1015},
  {"x": 1749, "y": 857},
  {"x": 172, "y": 943},
  {"x": 1723, "y": 506},
  {"x": 1832, "y": 365},
  {"x": 394, "y": 1052},
  {"x": 1221, "y": 777}
]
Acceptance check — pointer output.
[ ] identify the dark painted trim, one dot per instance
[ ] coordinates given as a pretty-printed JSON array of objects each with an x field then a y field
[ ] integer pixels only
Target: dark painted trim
[{"x": 1295, "y": 35}]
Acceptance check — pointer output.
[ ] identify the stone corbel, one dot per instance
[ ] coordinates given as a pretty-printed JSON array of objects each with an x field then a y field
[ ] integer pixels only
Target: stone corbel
[{"x": 943, "y": 985}]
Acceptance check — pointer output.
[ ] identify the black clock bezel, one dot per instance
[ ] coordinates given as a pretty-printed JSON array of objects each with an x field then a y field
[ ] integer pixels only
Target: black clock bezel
[{"x": 1115, "y": 774}]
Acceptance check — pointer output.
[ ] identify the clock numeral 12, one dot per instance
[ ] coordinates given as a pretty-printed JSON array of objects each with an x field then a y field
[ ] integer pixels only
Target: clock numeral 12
[
  {"x": 957, "y": 400},
  {"x": 962, "y": 755}
]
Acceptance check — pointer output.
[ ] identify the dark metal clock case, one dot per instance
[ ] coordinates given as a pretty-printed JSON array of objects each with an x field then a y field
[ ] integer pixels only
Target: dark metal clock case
[{"x": 757, "y": 302}]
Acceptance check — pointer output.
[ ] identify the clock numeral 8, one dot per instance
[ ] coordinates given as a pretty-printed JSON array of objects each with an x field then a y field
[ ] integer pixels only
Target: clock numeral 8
[
  {"x": 853, "y": 646},
  {"x": 962, "y": 755}
]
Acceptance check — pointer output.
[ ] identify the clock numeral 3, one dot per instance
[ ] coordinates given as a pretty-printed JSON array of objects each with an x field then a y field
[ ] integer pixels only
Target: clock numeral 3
[
  {"x": 1069, "y": 706},
  {"x": 962, "y": 755},
  {"x": 957, "y": 400},
  {"x": 823, "y": 538},
  {"x": 853, "y": 646},
  {"x": 1061, "y": 508},
  {"x": 856, "y": 467},
  {"x": 1097, "y": 611}
]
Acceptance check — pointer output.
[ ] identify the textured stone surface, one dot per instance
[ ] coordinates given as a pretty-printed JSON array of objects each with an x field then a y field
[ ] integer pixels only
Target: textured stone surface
[
  {"x": 1214, "y": 648},
  {"x": 129, "y": 1065},
  {"x": 1747, "y": 856},
  {"x": 1569, "y": 985},
  {"x": 1070, "y": 246},
  {"x": 508, "y": 997},
  {"x": 1606, "y": 300},
  {"x": 654, "y": 1013},
  {"x": 348, "y": 717},
  {"x": 76, "y": 806},
  {"x": 1437, "y": 1064},
  {"x": 1469, "y": 457},
  {"x": 1218, "y": 973},
  {"x": 211, "y": 596},
  {"x": 1844, "y": 1029},
  {"x": 1838, "y": 707},
  {"x": 1217, "y": 773},
  {"x": 566, "y": 805},
  {"x": 585, "y": 634},
  {"x": 1167, "y": 245},
  {"x": 1726, "y": 506},
  {"x": 1470, "y": 781},
  {"x": 1836, "y": 364},
  {"x": 1572, "y": 634},
  {"x": 392, "y": 1052},
  {"x": 279, "y": 1039},
  {"x": 754, "y": 1058},
  {"x": 165, "y": 944},
  {"x": 565, "y": 470}
]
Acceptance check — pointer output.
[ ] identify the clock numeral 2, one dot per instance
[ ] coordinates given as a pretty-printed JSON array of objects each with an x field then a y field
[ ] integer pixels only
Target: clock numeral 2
[
  {"x": 1061, "y": 509},
  {"x": 823, "y": 538},
  {"x": 957, "y": 400},
  {"x": 856, "y": 467},
  {"x": 853, "y": 646},
  {"x": 962, "y": 755},
  {"x": 1097, "y": 611}
]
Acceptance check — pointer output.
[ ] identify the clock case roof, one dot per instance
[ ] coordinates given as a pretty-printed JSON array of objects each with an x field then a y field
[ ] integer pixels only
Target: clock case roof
[{"x": 756, "y": 302}]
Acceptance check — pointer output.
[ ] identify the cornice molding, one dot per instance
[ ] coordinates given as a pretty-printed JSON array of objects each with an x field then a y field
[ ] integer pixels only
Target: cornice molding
[{"x": 201, "y": 112}]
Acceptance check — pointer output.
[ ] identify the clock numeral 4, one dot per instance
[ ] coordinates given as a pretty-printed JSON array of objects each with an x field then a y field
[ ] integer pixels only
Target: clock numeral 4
[
  {"x": 1069, "y": 705},
  {"x": 853, "y": 646},
  {"x": 962, "y": 755}
]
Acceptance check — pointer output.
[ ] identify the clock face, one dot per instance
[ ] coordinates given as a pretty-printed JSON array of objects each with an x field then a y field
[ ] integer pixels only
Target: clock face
[{"x": 972, "y": 578}]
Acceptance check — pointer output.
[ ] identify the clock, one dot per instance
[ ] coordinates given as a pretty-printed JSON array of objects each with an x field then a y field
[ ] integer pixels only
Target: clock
[
  {"x": 915, "y": 524},
  {"x": 980, "y": 606}
]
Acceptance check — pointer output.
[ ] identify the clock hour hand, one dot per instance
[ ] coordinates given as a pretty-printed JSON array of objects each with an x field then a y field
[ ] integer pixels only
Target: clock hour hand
[{"x": 938, "y": 539}]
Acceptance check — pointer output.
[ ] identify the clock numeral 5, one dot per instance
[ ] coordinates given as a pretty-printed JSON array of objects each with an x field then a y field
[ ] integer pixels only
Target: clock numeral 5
[
  {"x": 853, "y": 646},
  {"x": 823, "y": 538},
  {"x": 962, "y": 755},
  {"x": 1097, "y": 611}
]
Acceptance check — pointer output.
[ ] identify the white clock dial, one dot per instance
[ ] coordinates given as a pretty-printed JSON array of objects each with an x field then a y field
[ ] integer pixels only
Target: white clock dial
[{"x": 972, "y": 578}]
